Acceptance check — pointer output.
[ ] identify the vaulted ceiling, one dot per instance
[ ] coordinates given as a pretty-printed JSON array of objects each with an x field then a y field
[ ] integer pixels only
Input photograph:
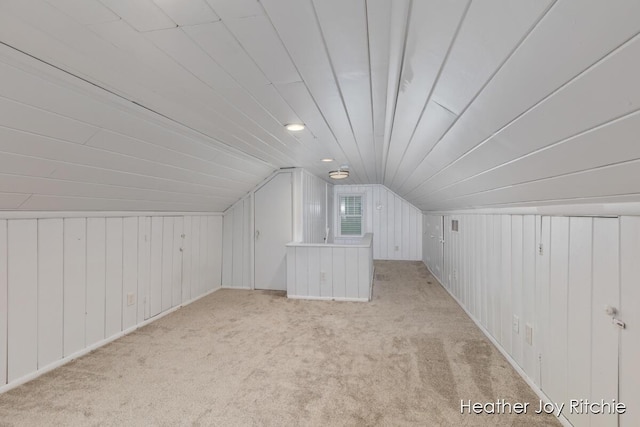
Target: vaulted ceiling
[{"x": 181, "y": 104}]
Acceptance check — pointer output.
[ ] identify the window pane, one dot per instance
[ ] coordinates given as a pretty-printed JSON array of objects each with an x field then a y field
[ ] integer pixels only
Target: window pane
[
  {"x": 351, "y": 215},
  {"x": 351, "y": 225}
]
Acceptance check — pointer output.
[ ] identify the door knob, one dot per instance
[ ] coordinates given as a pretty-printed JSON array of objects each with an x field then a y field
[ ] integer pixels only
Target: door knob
[
  {"x": 611, "y": 311},
  {"x": 257, "y": 234}
]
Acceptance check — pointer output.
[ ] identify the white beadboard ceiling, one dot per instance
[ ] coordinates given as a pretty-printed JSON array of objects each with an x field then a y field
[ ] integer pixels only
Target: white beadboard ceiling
[{"x": 180, "y": 105}]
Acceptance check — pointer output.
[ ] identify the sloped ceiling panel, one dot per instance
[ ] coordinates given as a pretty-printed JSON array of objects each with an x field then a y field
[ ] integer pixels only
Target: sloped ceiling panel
[{"x": 180, "y": 105}]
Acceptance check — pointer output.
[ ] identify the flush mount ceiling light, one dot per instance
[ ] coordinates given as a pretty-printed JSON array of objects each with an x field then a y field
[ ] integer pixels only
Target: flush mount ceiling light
[
  {"x": 326, "y": 160},
  {"x": 339, "y": 174},
  {"x": 295, "y": 127}
]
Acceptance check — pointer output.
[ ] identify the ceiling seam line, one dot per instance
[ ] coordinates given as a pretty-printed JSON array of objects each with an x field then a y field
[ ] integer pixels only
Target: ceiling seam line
[
  {"x": 598, "y": 168},
  {"x": 211, "y": 141},
  {"x": 315, "y": 102},
  {"x": 112, "y": 198},
  {"x": 130, "y": 101},
  {"x": 245, "y": 89},
  {"x": 24, "y": 201},
  {"x": 390, "y": 116},
  {"x": 540, "y": 149},
  {"x": 435, "y": 83},
  {"x": 375, "y": 152},
  {"x": 535, "y": 203},
  {"x": 255, "y": 63},
  {"x": 71, "y": 144},
  {"x": 335, "y": 79},
  {"x": 483, "y": 87},
  {"x": 560, "y": 88},
  {"x": 114, "y": 185}
]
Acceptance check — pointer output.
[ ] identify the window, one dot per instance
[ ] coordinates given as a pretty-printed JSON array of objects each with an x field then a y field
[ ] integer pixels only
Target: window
[{"x": 350, "y": 215}]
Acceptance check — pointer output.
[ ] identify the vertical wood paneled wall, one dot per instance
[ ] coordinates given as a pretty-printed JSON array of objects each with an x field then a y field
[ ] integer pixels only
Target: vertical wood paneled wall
[
  {"x": 312, "y": 198},
  {"x": 395, "y": 223},
  {"x": 330, "y": 272},
  {"x": 68, "y": 284},
  {"x": 316, "y": 212},
  {"x": 237, "y": 258},
  {"x": 553, "y": 275}
]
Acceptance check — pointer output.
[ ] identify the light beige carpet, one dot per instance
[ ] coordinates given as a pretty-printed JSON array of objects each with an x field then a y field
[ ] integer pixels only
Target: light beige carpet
[{"x": 257, "y": 358}]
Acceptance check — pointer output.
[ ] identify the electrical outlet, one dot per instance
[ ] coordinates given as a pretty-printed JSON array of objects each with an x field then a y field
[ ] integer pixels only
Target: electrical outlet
[
  {"x": 529, "y": 333},
  {"x": 131, "y": 299},
  {"x": 323, "y": 276},
  {"x": 516, "y": 324},
  {"x": 540, "y": 249},
  {"x": 397, "y": 248}
]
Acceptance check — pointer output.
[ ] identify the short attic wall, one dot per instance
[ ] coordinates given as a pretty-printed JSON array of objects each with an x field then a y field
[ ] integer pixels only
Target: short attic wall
[
  {"x": 537, "y": 286},
  {"x": 395, "y": 223},
  {"x": 312, "y": 204},
  {"x": 71, "y": 284}
]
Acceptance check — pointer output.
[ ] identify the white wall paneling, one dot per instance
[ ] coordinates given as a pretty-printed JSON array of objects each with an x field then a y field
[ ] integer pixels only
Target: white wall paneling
[
  {"x": 167, "y": 263},
  {"x": 330, "y": 271},
  {"x": 50, "y": 290},
  {"x": 539, "y": 285},
  {"x": 312, "y": 214},
  {"x": 75, "y": 275},
  {"x": 187, "y": 258},
  {"x": 4, "y": 308},
  {"x": 236, "y": 226},
  {"x": 195, "y": 254},
  {"x": 273, "y": 224},
  {"x": 395, "y": 223},
  {"x": 433, "y": 238},
  {"x": 215, "y": 251},
  {"x": 22, "y": 268},
  {"x": 154, "y": 299},
  {"x": 130, "y": 265},
  {"x": 113, "y": 298},
  {"x": 178, "y": 250},
  {"x": 239, "y": 231},
  {"x": 554, "y": 378},
  {"x": 75, "y": 283},
  {"x": 248, "y": 251},
  {"x": 96, "y": 275},
  {"x": 203, "y": 277},
  {"x": 227, "y": 249},
  {"x": 144, "y": 267},
  {"x": 316, "y": 213},
  {"x": 629, "y": 302},
  {"x": 605, "y": 336}
]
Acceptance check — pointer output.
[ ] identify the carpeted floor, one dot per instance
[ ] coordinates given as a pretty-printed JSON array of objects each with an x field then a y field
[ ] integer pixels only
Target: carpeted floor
[{"x": 256, "y": 358}]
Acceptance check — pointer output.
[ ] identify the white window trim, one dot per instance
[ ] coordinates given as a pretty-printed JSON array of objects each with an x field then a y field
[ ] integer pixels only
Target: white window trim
[{"x": 363, "y": 225}]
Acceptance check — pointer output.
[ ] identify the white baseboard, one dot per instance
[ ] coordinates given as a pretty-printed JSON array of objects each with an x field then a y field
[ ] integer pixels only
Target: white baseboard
[
  {"x": 48, "y": 368},
  {"x": 562, "y": 419}
]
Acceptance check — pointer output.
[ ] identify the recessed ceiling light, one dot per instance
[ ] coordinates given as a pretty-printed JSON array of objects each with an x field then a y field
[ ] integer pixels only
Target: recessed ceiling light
[
  {"x": 339, "y": 174},
  {"x": 327, "y": 160},
  {"x": 295, "y": 127}
]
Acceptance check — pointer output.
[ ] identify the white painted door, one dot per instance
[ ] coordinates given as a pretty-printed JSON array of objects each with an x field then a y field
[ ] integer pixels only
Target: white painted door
[
  {"x": 439, "y": 232},
  {"x": 580, "y": 360},
  {"x": 273, "y": 227},
  {"x": 435, "y": 242}
]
